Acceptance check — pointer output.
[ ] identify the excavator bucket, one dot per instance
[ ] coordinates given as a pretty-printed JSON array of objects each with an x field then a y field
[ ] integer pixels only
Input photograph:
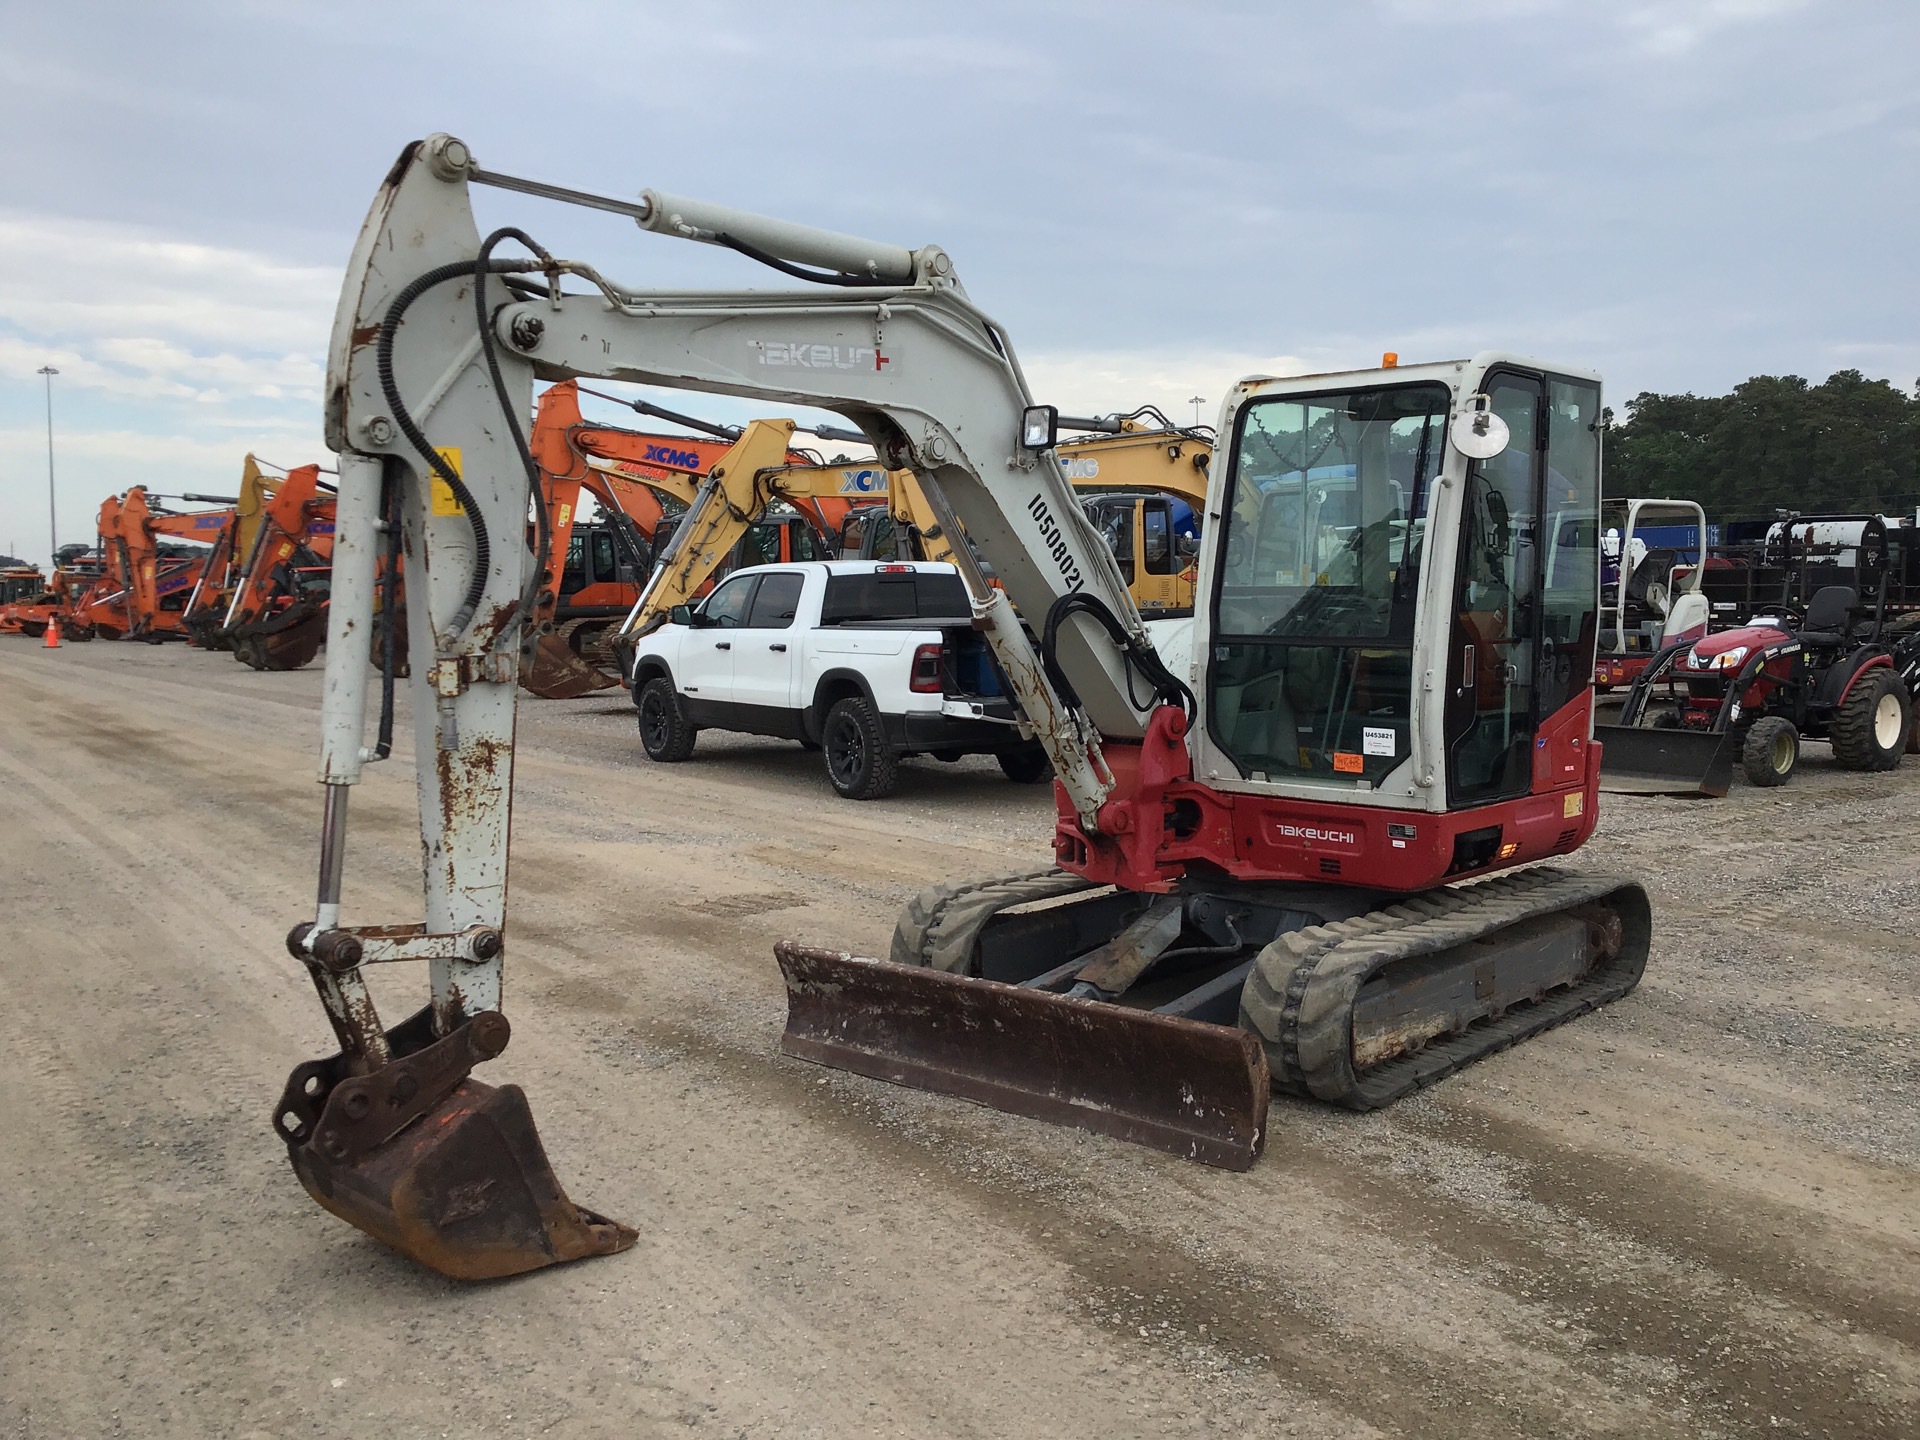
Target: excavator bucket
[
  {"x": 446, "y": 1170},
  {"x": 554, "y": 672},
  {"x": 1192, "y": 1089},
  {"x": 290, "y": 640},
  {"x": 1641, "y": 760}
]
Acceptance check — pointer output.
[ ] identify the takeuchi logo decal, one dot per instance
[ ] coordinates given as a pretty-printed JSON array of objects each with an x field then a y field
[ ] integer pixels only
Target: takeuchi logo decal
[
  {"x": 1315, "y": 832},
  {"x": 793, "y": 355}
]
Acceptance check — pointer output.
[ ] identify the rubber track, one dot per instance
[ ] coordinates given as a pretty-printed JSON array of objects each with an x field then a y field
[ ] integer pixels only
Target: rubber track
[
  {"x": 940, "y": 925},
  {"x": 1299, "y": 997},
  {"x": 597, "y": 652}
]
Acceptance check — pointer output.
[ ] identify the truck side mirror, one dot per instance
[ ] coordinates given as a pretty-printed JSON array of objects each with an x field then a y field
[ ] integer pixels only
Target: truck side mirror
[{"x": 681, "y": 615}]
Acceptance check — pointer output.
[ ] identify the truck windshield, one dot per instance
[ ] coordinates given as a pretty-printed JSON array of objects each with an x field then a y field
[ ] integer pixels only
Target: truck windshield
[{"x": 1310, "y": 672}]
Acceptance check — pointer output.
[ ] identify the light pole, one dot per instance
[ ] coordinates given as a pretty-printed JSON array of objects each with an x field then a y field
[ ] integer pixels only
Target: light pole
[
  {"x": 1196, "y": 401},
  {"x": 53, "y": 519}
]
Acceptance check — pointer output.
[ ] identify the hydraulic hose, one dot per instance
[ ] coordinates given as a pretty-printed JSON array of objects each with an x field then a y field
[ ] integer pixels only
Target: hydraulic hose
[
  {"x": 389, "y": 621},
  {"x": 383, "y": 353},
  {"x": 543, "y": 522},
  {"x": 1168, "y": 688}
]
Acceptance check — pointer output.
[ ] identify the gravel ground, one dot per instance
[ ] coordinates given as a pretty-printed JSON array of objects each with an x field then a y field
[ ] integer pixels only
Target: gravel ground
[{"x": 1692, "y": 1214}]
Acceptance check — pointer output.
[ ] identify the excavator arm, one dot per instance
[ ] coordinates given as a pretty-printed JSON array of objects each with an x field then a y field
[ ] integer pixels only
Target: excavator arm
[
  {"x": 272, "y": 622},
  {"x": 437, "y": 341},
  {"x": 737, "y": 493}
]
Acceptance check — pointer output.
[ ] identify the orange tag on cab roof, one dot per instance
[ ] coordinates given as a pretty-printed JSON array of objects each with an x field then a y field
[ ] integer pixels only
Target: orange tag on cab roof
[{"x": 1346, "y": 763}]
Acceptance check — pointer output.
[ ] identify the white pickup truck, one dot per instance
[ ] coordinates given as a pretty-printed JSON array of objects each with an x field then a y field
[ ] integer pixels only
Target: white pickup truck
[{"x": 866, "y": 661}]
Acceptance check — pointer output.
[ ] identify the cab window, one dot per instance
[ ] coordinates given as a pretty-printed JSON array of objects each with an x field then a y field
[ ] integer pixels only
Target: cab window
[
  {"x": 776, "y": 602},
  {"x": 728, "y": 605},
  {"x": 1156, "y": 537},
  {"x": 603, "y": 566},
  {"x": 1311, "y": 669}
]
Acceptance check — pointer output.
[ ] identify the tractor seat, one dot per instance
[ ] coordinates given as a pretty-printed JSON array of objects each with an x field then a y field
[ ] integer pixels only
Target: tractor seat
[{"x": 1829, "y": 623}]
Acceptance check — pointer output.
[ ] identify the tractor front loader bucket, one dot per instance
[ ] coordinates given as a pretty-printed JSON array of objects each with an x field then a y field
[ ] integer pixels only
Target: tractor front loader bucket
[
  {"x": 554, "y": 672},
  {"x": 1192, "y": 1089},
  {"x": 446, "y": 1170},
  {"x": 1642, "y": 760}
]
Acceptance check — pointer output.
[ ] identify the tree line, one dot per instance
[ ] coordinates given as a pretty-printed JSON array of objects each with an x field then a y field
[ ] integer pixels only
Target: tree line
[{"x": 1776, "y": 442}]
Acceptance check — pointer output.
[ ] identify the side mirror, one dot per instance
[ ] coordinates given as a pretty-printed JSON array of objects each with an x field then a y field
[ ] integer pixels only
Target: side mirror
[
  {"x": 1477, "y": 432},
  {"x": 1188, "y": 546},
  {"x": 681, "y": 615}
]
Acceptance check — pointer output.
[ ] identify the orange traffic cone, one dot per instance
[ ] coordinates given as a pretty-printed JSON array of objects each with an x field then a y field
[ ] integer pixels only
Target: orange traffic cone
[{"x": 53, "y": 632}]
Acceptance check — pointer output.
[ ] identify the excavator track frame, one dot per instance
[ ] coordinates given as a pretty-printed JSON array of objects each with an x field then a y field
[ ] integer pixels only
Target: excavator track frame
[{"x": 970, "y": 1003}]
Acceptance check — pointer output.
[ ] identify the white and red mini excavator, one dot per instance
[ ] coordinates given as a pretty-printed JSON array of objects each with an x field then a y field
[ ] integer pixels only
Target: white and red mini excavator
[{"x": 1276, "y": 820}]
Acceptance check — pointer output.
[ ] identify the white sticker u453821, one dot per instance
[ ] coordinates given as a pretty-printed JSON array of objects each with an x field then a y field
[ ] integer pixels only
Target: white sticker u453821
[{"x": 1377, "y": 740}]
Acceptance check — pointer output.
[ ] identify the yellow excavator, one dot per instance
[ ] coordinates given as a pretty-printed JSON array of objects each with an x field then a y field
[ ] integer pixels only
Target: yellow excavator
[
  {"x": 1132, "y": 478},
  {"x": 1144, "y": 487},
  {"x": 744, "y": 484}
]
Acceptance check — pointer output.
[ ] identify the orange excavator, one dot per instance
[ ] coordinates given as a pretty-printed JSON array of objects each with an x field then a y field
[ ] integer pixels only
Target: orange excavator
[
  {"x": 604, "y": 563},
  {"x": 142, "y": 591},
  {"x": 204, "y": 614},
  {"x": 21, "y": 586},
  {"x": 277, "y": 616}
]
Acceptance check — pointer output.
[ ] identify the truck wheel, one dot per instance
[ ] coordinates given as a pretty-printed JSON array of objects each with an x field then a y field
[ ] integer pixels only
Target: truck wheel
[
  {"x": 1770, "y": 751},
  {"x": 665, "y": 732},
  {"x": 859, "y": 763},
  {"x": 1028, "y": 765},
  {"x": 1870, "y": 732}
]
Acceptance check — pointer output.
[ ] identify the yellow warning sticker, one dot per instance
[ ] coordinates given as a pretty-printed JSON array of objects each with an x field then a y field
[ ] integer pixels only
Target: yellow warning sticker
[
  {"x": 1573, "y": 805},
  {"x": 566, "y": 517},
  {"x": 444, "y": 502}
]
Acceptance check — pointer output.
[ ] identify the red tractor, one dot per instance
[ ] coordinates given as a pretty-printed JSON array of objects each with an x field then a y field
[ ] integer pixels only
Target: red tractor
[{"x": 1837, "y": 671}]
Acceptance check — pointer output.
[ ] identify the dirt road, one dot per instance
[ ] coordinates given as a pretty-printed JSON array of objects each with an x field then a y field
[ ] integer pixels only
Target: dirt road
[{"x": 1692, "y": 1215}]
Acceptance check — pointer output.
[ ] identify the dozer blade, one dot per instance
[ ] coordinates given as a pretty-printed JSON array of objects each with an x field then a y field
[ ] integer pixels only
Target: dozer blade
[
  {"x": 1191, "y": 1089},
  {"x": 1640, "y": 760},
  {"x": 446, "y": 1170},
  {"x": 555, "y": 673}
]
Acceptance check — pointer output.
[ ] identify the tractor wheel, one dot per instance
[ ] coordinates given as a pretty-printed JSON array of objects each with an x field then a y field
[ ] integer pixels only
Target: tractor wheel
[
  {"x": 1870, "y": 732},
  {"x": 1771, "y": 751},
  {"x": 1028, "y": 765},
  {"x": 665, "y": 732},
  {"x": 859, "y": 763}
]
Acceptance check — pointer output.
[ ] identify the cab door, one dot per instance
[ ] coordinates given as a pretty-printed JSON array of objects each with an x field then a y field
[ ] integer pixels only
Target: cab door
[
  {"x": 765, "y": 647},
  {"x": 705, "y": 671},
  {"x": 1494, "y": 662},
  {"x": 1157, "y": 587}
]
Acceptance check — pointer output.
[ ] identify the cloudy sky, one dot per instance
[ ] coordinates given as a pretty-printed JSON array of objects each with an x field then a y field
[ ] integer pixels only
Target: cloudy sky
[{"x": 1153, "y": 197}]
